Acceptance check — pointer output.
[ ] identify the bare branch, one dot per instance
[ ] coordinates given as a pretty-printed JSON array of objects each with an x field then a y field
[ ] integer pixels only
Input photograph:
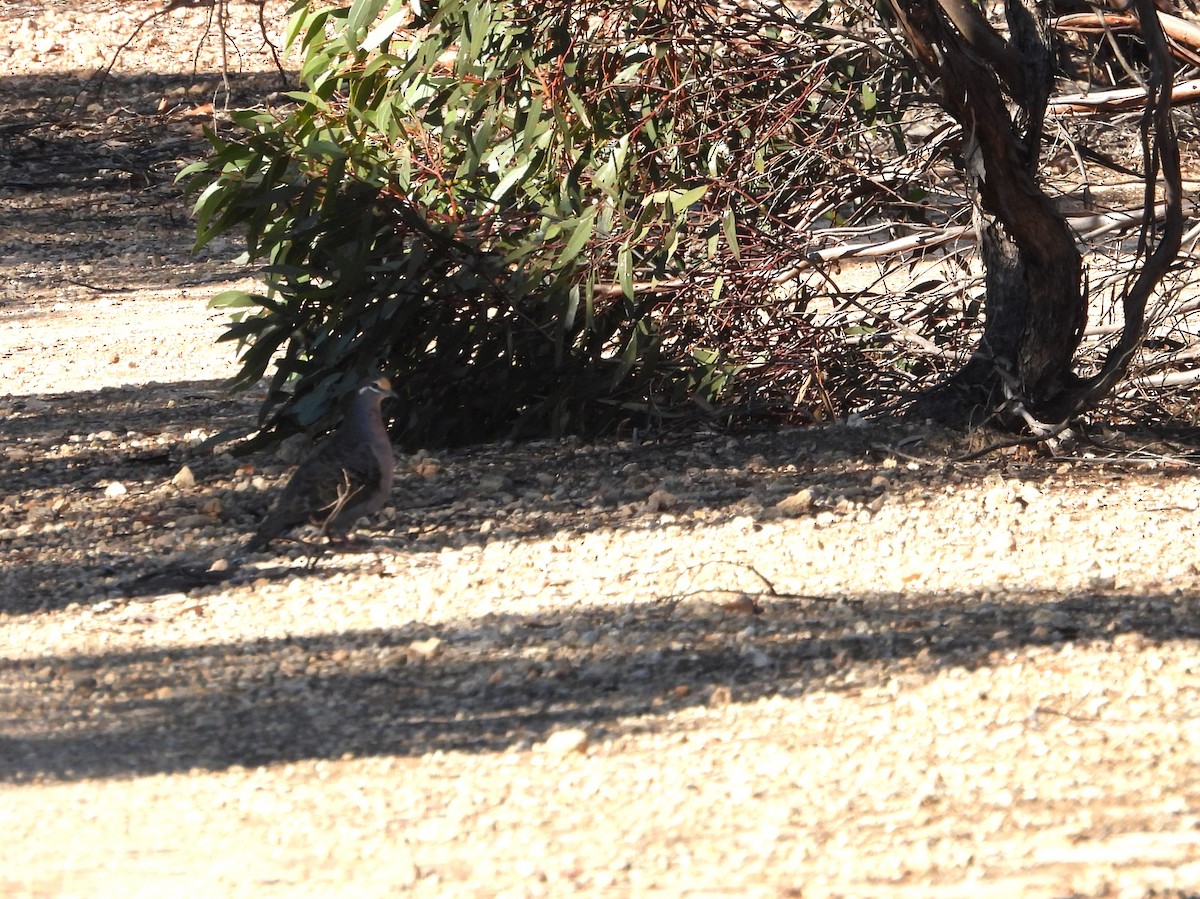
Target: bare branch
[
  {"x": 1160, "y": 150},
  {"x": 1121, "y": 100}
]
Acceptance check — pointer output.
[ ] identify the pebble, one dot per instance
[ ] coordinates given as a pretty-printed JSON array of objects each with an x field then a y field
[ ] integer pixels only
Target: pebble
[
  {"x": 494, "y": 483},
  {"x": 660, "y": 500},
  {"x": 799, "y": 503},
  {"x": 425, "y": 649},
  {"x": 567, "y": 741}
]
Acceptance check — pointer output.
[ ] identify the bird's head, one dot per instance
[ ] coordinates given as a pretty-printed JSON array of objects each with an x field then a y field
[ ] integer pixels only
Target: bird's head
[{"x": 377, "y": 388}]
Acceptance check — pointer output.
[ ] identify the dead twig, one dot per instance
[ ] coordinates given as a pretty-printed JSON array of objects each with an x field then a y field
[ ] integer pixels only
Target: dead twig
[
  {"x": 315, "y": 550},
  {"x": 218, "y": 10},
  {"x": 769, "y": 588}
]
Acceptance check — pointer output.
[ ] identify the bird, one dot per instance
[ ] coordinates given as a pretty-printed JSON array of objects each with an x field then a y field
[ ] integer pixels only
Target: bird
[{"x": 346, "y": 477}]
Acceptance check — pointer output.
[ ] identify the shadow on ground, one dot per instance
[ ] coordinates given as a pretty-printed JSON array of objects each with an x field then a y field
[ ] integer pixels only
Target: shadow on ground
[
  {"x": 72, "y": 440},
  {"x": 57, "y": 451},
  {"x": 506, "y": 681},
  {"x": 75, "y": 132},
  {"x": 92, "y": 176}
]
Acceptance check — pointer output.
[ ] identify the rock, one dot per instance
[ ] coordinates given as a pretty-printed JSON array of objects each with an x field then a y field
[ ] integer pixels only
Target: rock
[
  {"x": 798, "y": 503},
  {"x": 184, "y": 479},
  {"x": 660, "y": 500},
  {"x": 1051, "y": 618},
  {"x": 115, "y": 489},
  {"x": 1028, "y": 493},
  {"x": 565, "y": 742},
  {"x": 759, "y": 659},
  {"x": 494, "y": 483},
  {"x": 424, "y": 465},
  {"x": 425, "y": 649}
]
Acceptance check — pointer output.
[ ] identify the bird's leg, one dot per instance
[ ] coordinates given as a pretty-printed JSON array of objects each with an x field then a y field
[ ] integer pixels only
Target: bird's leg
[{"x": 314, "y": 551}]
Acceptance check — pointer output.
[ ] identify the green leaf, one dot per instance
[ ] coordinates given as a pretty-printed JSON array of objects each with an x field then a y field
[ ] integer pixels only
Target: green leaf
[
  {"x": 232, "y": 299},
  {"x": 306, "y": 22},
  {"x": 729, "y": 225},
  {"x": 580, "y": 235},
  {"x": 322, "y": 149},
  {"x": 242, "y": 330},
  {"x": 511, "y": 178},
  {"x": 869, "y": 100},
  {"x": 534, "y": 124},
  {"x": 314, "y": 27},
  {"x": 580, "y": 109},
  {"x": 384, "y": 30},
  {"x": 685, "y": 199},
  {"x": 625, "y": 270},
  {"x": 258, "y": 356},
  {"x": 307, "y": 97},
  {"x": 205, "y": 207},
  {"x": 928, "y": 286},
  {"x": 672, "y": 244},
  {"x": 362, "y": 14}
]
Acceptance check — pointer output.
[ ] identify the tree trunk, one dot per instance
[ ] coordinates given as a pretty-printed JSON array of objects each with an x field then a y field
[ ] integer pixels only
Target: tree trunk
[{"x": 1035, "y": 309}]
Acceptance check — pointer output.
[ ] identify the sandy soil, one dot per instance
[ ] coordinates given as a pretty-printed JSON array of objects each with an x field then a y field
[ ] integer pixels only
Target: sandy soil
[{"x": 820, "y": 662}]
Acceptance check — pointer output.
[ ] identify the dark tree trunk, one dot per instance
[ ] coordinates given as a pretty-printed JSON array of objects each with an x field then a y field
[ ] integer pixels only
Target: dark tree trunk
[{"x": 1035, "y": 308}]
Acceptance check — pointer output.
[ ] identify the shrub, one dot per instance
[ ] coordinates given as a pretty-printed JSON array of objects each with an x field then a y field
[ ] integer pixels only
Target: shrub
[{"x": 538, "y": 217}]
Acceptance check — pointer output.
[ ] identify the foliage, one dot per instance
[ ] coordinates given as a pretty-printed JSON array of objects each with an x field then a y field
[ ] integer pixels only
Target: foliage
[{"x": 540, "y": 217}]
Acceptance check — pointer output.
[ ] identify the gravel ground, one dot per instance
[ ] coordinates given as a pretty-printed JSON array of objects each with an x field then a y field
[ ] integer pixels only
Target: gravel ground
[{"x": 820, "y": 662}]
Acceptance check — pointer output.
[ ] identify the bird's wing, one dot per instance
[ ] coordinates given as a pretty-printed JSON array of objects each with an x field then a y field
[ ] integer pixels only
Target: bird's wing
[{"x": 324, "y": 477}]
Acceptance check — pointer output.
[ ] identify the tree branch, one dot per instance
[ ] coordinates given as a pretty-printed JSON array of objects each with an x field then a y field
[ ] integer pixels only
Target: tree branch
[{"x": 1160, "y": 151}]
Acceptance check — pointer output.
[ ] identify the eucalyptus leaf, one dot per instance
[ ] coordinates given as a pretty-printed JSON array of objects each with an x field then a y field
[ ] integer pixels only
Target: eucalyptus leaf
[{"x": 472, "y": 204}]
